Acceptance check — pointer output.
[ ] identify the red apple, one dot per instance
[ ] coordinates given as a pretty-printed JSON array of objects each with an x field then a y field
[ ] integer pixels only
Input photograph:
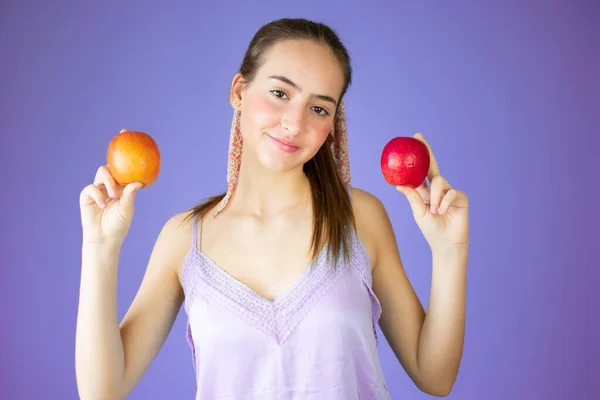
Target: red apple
[
  {"x": 405, "y": 162},
  {"x": 133, "y": 157}
]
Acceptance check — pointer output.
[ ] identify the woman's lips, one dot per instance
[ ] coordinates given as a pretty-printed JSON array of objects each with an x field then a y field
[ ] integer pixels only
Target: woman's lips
[{"x": 288, "y": 146}]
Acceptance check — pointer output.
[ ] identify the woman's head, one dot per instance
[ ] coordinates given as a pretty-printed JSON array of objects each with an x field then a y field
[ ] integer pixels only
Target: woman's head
[
  {"x": 291, "y": 81},
  {"x": 289, "y": 88}
]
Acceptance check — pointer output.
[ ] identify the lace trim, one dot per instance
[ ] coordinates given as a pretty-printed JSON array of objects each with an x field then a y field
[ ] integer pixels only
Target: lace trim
[
  {"x": 303, "y": 300},
  {"x": 276, "y": 319}
]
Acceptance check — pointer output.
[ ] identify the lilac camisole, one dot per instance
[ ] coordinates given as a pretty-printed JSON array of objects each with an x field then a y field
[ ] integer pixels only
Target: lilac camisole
[{"x": 316, "y": 341}]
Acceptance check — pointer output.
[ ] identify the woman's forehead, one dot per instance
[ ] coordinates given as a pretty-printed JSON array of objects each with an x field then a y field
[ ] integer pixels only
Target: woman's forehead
[{"x": 311, "y": 66}]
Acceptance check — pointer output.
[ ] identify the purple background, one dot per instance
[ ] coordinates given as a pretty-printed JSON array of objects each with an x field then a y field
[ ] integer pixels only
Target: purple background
[{"x": 506, "y": 93}]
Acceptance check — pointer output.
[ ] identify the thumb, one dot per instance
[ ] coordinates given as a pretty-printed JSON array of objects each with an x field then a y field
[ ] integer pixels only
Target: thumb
[
  {"x": 128, "y": 197},
  {"x": 417, "y": 204}
]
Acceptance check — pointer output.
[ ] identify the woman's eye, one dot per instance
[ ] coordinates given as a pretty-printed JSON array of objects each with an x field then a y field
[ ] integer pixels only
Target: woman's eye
[
  {"x": 279, "y": 94},
  {"x": 321, "y": 111}
]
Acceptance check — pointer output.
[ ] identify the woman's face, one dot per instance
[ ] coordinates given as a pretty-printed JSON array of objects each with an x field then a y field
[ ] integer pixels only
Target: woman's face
[{"x": 288, "y": 110}]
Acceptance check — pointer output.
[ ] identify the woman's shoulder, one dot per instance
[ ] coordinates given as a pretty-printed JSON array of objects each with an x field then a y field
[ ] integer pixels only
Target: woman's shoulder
[
  {"x": 175, "y": 240},
  {"x": 366, "y": 205},
  {"x": 371, "y": 220},
  {"x": 178, "y": 225}
]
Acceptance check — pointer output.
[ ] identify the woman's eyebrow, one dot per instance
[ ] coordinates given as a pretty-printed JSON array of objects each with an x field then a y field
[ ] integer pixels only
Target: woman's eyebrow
[{"x": 295, "y": 86}]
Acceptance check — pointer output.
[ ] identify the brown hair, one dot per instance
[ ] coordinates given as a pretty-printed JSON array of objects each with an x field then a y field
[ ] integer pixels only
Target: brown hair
[{"x": 332, "y": 209}]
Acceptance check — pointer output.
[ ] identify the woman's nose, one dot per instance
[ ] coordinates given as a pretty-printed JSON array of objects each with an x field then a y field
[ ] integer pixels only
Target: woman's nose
[{"x": 293, "y": 119}]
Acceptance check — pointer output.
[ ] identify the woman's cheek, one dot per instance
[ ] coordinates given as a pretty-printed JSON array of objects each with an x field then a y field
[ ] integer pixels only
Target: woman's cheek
[
  {"x": 264, "y": 112},
  {"x": 322, "y": 134}
]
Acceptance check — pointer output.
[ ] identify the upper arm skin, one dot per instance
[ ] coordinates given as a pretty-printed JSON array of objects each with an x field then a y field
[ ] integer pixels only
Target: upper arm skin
[
  {"x": 402, "y": 314},
  {"x": 154, "y": 309}
]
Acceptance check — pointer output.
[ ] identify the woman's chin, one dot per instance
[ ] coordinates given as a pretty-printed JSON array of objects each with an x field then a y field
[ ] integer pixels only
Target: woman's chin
[{"x": 278, "y": 162}]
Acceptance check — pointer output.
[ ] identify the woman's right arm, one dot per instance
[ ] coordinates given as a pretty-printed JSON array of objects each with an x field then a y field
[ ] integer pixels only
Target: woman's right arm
[{"x": 110, "y": 358}]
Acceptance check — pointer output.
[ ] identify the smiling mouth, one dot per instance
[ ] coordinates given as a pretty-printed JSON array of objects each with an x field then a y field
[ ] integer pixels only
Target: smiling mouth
[{"x": 284, "y": 145}]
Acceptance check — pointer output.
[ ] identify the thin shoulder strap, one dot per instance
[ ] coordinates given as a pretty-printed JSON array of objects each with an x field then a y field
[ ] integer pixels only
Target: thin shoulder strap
[
  {"x": 196, "y": 226},
  {"x": 194, "y": 235}
]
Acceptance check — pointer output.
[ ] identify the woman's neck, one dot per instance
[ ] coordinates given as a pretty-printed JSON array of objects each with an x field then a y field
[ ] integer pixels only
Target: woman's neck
[{"x": 264, "y": 193}]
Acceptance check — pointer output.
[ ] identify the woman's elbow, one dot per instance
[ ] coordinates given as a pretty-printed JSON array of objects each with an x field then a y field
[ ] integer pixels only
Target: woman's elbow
[{"x": 439, "y": 389}]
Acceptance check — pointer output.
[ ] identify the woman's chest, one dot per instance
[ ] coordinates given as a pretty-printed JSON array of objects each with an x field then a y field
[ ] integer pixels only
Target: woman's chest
[
  {"x": 267, "y": 259},
  {"x": 324, "y": 305}
]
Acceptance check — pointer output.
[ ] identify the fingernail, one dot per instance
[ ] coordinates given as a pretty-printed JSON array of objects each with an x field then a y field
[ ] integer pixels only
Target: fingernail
[{"x": 433, "y": 209}]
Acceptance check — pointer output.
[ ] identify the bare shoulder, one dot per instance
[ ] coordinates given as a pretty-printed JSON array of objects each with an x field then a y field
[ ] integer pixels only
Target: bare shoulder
[
  {"x": 368, "y": 210},
  {"x": 179, "y": 225},
  {"x": 371, "y": 220},
  {"x": 177, "y": 228},
  {"x": 174, "y": 241},
  {"x": 365, "y": 202}
]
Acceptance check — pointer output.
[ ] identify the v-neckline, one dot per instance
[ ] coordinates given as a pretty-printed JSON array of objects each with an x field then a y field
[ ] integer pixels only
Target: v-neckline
[
  {"x": 276, "y": 318},
  {"x": 293, "y": 287}
]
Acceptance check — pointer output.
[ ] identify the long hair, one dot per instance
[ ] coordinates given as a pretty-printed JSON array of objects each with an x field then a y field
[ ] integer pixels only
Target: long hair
[{"x": 332, "y": 209}]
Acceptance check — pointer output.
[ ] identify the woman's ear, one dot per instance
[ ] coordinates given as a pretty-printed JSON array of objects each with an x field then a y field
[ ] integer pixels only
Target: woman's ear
[{"x": 238, "y": 84}]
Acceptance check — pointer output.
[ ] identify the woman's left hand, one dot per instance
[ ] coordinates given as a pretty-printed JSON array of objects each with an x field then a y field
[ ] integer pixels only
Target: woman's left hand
[{"x": 440, "y": 211}]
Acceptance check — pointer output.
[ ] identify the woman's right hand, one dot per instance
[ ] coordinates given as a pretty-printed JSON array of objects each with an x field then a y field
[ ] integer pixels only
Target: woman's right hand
[{"x": 107, "y": 209}]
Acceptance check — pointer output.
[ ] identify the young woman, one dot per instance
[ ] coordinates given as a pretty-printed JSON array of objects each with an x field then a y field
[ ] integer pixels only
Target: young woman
[{"x": 285, "y": 277}]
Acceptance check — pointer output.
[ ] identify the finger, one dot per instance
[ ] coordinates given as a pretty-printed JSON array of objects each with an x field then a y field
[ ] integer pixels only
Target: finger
[
  {"x": 454, "y": 198},
  {"x": 92, "y": 194},
  {"x": 434, "y": 170},
  {"x": 126, "y": 203},
  {"x": 104, "y": 178},
  {"x": 414, "y": 199},
  {"x": 425, "y": 191},
  {"x": 439, "y": 187}
]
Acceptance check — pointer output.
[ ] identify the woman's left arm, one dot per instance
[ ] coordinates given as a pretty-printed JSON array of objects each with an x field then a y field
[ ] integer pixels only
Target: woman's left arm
[{"x": 429, "y": 345}]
